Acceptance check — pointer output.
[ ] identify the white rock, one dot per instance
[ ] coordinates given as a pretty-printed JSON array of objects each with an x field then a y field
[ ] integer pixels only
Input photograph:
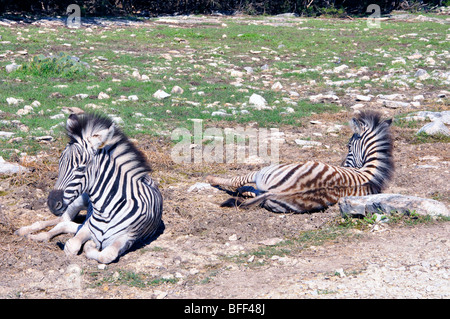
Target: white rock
[
  {"x": 12, "y": 101},
  {"x": 422, "y": 74},
  {"x": 357, "y": 106},
  {"x": 177, "y": 90},
  {"x": 57, "y": 116},
  {"x": 36, "y": 103},
  {"x": 136, "y": 74},
  {"x": 220, "y": 113},
  {"x": 81, "y": 96},
  {"x": 236, "y": 73},
  {"x": 257, "y": 101},
  {"x": 133, "y": 98},
  {"x": 199, "y": 186},
  {"x": 11, "y": 168},
  {"x": 364, "y": 98},
  {"x": 277, "y": 86},
  {"x": 340, "y": 68},
  {"x": 6, "y": 134},
  {"x": 160, "y": 94},
  {"x": 307, "y": 143},
  {"x": 389, "y": 203},
  {"x": 399, "y": 61},
  {"x": 435, "y": 127},
  {"x": 393, "y": 104},
  {"x": 117, "y": 120},
  {"x": 12, "y": 67},
  {"x": 103, "y": 96}
]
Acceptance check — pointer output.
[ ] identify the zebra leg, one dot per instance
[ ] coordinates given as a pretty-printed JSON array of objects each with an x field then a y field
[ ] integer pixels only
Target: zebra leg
[
  {"x": 73, "y": 245},
  {"x": 235, "y": 182},
  {"x": 63, "y": 223},
  {"x": 27, "y": 230},
  {"x": 109, "y": 254},
  {"x": 65, "y": 227}
]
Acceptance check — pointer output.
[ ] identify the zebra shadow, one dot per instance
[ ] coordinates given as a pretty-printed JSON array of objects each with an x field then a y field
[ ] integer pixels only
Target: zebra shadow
[{"x": 141, "y": 243}]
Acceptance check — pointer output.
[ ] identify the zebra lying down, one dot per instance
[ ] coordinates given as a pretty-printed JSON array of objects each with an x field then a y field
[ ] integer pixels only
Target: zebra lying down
[
  {"x": 312, "y": 186},
  {"x": 102, "y": 171}
]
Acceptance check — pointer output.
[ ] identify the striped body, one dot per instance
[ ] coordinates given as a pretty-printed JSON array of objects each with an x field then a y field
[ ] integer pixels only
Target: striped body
[
  {"x": 125, "y": 205},
  {"x": 313, "y": 185}
]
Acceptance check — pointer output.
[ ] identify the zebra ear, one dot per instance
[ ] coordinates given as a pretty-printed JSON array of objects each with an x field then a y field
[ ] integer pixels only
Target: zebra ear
[
  {"x": 356, "y": 126},
  {"x": 100, "y": 139},
  {"x": 72, "y": 121}
]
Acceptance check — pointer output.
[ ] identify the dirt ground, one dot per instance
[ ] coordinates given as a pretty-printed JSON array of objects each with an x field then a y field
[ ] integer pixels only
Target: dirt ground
[{"x": 195, "y": 254}]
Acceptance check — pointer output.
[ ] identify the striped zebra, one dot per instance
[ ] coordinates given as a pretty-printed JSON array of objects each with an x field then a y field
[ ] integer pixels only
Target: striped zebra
[
  {"x": 313, "y": 186},
  {"x": 101, "y": 170}
]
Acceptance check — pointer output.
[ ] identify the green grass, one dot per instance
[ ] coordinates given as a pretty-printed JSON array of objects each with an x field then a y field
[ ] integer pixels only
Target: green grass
[
  {"x": 127, "y": 278},
  {"x": 201, "y": 61}
]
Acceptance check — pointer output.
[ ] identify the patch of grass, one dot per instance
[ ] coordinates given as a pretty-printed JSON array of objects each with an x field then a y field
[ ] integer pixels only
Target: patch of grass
[
  {"x": 128, "y": 278},
  {"x": 59, "y": 65},
  {"x": 423, "y": 137}
]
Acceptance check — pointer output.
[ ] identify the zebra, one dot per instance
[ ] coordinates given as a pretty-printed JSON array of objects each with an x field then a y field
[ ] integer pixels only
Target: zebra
[
  {"x": 313, "y": 186},
  {"x": 102, "y": 171}
]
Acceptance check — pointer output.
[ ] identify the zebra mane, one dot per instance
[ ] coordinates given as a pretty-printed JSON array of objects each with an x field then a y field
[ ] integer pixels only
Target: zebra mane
[
  {"x": 83, "y": 124},
  {"x": 383, "y": 137}
]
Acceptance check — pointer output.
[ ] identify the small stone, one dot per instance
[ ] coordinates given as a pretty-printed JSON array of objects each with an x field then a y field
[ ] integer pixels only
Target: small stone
[
  {"x": 133, "y": 98},
  {"x": 422, "y": 74},
  {"x": 271, "y": 241},
  {"x": 177, "y": 90},
  {"x": 102, "y": 96},
  {"x": 81, "y": 96},
  {"x": 364, "y": 98},
  {"x": 399, "y": 61},
  {"x": 11, "y": 168},
  {"x": 394, "y": 104},
  {"x": 340, "y": 68},
  {"x": 57, "y": 116},
  {"x": 307, "y": 143},
  {"x": 277, "y": 86},
  {"x": 12, "y": 101},
  {"x": 160, "y": 94},
  {"x": 257, "y": 101},
  {"x": 12, "y": 67},
  {"x": 46, "y": 138},
  {"x": 199, "y": 186},
  {"x": 36, "y": 104},
  {"x": 233, "y": 237}
]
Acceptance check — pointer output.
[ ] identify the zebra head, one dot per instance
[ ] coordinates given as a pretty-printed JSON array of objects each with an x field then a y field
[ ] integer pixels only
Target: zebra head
[
  {"x": 371, "y": 140},
  {"x": 88, "y": 134}
]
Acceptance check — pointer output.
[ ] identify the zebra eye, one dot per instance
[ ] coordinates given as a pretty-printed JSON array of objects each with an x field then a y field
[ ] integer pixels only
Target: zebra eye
[{"x": 81, "y": 169}]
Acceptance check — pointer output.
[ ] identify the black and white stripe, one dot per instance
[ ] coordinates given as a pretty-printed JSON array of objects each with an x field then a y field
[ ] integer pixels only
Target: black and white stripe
[
  {"x": 125, "y": 204},
  {"x": 313, "y": 185}
]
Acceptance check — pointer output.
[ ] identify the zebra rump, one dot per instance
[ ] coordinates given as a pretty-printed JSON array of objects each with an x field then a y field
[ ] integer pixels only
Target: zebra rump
[{"x": 312, "y": 186}]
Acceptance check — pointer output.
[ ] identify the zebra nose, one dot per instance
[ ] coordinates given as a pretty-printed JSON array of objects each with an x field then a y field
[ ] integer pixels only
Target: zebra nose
[{"x": 55, "y": 202}]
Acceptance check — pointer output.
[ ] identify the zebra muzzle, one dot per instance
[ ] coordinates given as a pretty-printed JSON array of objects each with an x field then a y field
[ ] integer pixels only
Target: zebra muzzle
[{"x": 55, "y": 202}]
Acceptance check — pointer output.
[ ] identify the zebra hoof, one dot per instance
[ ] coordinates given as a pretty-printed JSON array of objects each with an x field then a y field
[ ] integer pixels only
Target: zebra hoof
[{"x": 71, "y": 248}]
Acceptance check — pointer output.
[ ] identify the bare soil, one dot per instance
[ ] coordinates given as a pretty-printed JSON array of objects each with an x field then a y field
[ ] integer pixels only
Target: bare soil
[{"x": 205, "y": 251}]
